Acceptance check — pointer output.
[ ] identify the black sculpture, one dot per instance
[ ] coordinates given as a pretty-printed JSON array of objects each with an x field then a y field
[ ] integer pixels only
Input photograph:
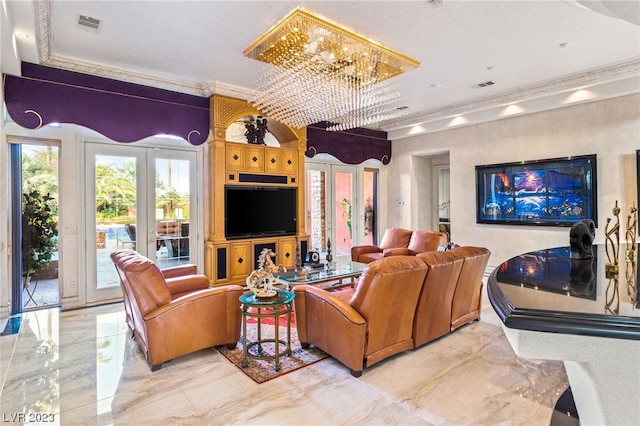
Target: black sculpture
[
  {"x": 261, "y": 130},
  {"x": 581, "y": 239},
  {"x": 251, "y": 132}
]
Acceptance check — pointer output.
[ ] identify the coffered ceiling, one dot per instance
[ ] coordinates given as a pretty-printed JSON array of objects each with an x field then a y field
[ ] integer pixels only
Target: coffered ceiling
[{"x": 479, "y": 60}]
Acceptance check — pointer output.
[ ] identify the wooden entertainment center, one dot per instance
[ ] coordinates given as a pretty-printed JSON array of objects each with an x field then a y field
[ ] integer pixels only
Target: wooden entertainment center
[{"x": 230, "y": 261}]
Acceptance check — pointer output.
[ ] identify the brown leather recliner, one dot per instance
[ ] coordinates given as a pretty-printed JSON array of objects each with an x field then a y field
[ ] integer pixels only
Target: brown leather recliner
[
  {"x": 367, "y": 324},
  {"x": 398, "y": 241},
  {"x": 173, "y": 314},
  {"x": 468, "y": 296},
  {"x": 433, "y": 313}
]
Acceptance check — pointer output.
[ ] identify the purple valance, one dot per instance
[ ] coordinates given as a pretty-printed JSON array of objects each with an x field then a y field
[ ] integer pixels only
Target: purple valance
[
  {"x": 350, "y": 146},
  {"x": 123, "y": 112}
]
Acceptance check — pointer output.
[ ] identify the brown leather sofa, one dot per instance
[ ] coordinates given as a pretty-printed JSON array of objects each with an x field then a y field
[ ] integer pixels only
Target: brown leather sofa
[
  {"x": 398, "y": 241},
  {"x": 365, "y": 325},
  {"x": 362, "y": 326},
  {"x": 452, "y": 292},
  {"x": 467, "y": 301},
  {"x": 174, "y": 312}
]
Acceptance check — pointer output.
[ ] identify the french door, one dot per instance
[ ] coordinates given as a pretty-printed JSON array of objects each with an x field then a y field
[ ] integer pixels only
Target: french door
[
  {"x": 331, "y": 202},
  {"x": 137, "y": 198}
]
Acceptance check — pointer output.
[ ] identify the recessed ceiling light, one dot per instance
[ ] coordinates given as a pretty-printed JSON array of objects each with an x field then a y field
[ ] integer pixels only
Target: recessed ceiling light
[
  {"x": 436, "y": 85},
  {"x": 579, "y": 96},
  {"x": 563, "y": 44},
  {"x": 511, "y": 110},
  {"x": 490, "y": 67},
  {"x": 457, "y": 121},
  {"x": 22, "y": 36}
]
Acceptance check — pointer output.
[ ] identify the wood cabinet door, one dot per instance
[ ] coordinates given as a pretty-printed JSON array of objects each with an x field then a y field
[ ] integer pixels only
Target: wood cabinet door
[
  {"x": 272, "y": 160},
  {"x": 254, "y": 162},
  {"x": 289, "y": 161},
  {"x": 235, "y": 157},
  {"x": 287, "y": 252},
  {"x": 240, "y": 261}
]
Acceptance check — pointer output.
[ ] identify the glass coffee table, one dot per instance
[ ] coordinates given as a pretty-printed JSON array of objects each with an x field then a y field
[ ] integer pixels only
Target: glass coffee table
[{"x": 333, "y": 275}]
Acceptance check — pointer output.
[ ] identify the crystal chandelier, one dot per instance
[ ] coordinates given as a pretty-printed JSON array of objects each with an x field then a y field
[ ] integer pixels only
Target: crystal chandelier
[{"x": 324, "y": 72}]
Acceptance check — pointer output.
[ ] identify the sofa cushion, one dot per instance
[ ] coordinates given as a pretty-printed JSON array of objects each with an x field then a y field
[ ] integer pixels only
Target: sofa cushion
[
  {"x": 423, "y": 241},
  {"x": 395, "y": 237}
]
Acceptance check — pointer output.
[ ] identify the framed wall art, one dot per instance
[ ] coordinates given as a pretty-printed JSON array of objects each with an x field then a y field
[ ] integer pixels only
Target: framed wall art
[{"x": 553, "y": 192}]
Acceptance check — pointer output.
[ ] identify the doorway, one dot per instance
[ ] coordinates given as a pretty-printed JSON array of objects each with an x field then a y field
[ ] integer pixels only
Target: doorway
[
  {"x": 341, "y": 207},
  {"x": 138, "y": 198},
  {"x": 34, "y": 197}
]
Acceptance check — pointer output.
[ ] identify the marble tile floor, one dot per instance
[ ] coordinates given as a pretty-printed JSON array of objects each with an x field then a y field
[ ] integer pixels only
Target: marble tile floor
[{"x": 82, "y": 368}]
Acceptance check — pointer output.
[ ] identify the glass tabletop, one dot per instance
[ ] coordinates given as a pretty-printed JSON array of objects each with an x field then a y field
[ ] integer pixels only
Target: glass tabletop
[
  {"x": 282, "y": 297},
  {"x": 333, "y": 271}
]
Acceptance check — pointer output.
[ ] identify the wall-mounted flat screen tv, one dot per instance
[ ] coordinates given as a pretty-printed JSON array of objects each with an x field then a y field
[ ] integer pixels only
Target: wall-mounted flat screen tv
[
  {"x": 555, "y": 192},
  {"x": 259, "y": 211}
]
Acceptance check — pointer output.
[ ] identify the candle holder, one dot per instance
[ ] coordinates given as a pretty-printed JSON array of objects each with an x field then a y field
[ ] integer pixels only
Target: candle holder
[{"x": 612, "y": 243}]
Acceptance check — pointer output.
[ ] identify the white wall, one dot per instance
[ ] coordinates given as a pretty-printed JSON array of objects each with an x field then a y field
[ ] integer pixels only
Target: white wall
[{"x": 609, "y": 128}]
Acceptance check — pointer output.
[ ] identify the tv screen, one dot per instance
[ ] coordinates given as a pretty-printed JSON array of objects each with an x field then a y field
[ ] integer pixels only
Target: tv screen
[
  {"x": 259, "y": 211},
  {"x": 556, "y": 192}
]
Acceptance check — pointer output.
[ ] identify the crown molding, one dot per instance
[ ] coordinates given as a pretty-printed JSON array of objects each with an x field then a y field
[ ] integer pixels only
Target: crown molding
[
  {"x": 230, "y": 90},
  {"x": 125, "y": 75},
  {"x": 607, "y": 74}
]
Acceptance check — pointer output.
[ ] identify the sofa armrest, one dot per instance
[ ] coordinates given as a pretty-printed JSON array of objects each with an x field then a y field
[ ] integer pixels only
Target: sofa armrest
[
  {"x": 178, "y": 271},
  {"x": 187, "y": 283},
  {"x": 356, "y": 251},
  {"x": 396, "y": 251},
  {"x": 331, "y": 324}
]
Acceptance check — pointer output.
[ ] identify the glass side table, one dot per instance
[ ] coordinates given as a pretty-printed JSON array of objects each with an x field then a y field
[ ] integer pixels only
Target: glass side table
[{"x": 272, "y": 307}]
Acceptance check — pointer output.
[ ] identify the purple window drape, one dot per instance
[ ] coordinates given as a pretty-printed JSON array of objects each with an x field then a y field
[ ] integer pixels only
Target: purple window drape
[
  {"x": 121, "y": 111},
  {"x": 351, "y": 147}
]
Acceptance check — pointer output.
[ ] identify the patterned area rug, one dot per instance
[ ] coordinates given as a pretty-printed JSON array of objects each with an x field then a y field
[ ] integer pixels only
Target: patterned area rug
[{"x": 263, "y": 370}]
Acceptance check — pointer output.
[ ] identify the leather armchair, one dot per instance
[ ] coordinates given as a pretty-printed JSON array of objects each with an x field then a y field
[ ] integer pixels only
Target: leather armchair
[
  {"x": 168, "y": 228},
  {"x": 369, "y": 323},
  {"x": 467, "y": 299},
  {"x": 400, "y": 242},
  {"x": 174, "y": 312},
  {"x": 394, "y": 242}
]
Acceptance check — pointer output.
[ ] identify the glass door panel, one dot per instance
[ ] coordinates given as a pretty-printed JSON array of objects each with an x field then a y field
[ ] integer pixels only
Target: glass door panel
[
  {"x": 38, "y": 196},
  {"x": 172, "y": 211},
  {"x": 113, "y": 222},
  {"x": 316, "y": 191},
  {"x": 344, "y": 225},
  {"x": 370, "y": 184}
]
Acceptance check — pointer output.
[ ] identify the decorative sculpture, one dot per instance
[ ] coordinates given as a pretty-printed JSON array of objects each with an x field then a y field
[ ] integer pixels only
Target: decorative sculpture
[
  {"x": 251, "y": 132},
  {"x": 630, "y": 235},
  {"x": 329, "y": 257},
  {"x": 262, "y": 279},
  {"x": 612, "y": 247},
  {"x": 261, "y": 130},
  {"x": 581, "y": 238}
]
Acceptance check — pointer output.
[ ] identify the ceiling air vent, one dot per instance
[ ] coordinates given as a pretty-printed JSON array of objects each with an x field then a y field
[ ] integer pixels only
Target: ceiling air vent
[
  {"x": 485, "y": 84},
  {"x": 89, "y": 22}
]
